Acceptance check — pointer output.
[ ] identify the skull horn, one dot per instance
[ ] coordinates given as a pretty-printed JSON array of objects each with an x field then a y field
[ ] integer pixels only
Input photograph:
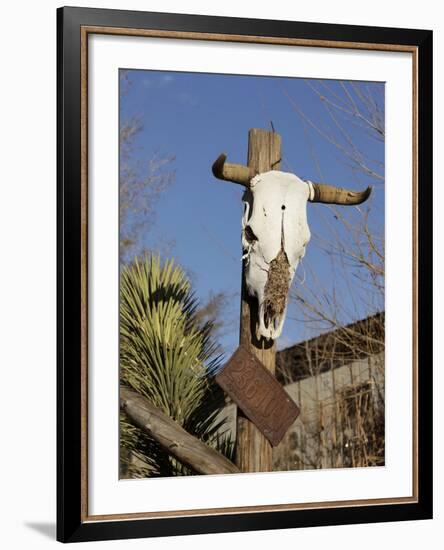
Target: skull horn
[
  {"x": 329, "y": 194},
  {"x": 237, "y": 173}
]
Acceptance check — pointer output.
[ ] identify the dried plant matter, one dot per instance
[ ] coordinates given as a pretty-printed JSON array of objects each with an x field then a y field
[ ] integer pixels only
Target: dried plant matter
[{"x": 276, "y": 288}]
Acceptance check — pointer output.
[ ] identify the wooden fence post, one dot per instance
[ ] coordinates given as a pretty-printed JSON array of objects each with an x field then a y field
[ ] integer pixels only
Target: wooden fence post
[{"x": 253, "y": 451}]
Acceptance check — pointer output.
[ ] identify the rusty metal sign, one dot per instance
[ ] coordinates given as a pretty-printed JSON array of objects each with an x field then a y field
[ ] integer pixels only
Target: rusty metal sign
[{"x": 258, "y": 394}]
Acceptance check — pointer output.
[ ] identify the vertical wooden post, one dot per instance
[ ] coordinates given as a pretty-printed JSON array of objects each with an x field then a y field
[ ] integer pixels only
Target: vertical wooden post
[{"x": 253, "y": 451}]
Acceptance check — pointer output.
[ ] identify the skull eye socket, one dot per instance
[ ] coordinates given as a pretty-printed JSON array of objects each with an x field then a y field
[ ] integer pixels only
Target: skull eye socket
[{"x": 249, "y": 234}]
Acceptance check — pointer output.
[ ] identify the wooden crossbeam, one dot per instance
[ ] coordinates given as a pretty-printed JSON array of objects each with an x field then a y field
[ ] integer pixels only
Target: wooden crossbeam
[{"x": 172, "y": 437}]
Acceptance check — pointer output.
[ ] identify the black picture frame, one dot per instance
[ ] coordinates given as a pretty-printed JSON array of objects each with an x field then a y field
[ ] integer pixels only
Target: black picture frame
[{"x": 72, "y": 523}]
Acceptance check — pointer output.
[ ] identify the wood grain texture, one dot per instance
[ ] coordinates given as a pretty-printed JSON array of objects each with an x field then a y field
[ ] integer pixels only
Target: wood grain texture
[
  {"x": 172, "y": 437},
  {"x": 84, "y": 272},
  {"x": 254, "y": 39},
  {"x": 253, "y": 450}
]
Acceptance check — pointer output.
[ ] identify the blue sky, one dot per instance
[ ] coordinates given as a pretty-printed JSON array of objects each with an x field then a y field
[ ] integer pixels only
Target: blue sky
[{"x": 195, "y": 117}]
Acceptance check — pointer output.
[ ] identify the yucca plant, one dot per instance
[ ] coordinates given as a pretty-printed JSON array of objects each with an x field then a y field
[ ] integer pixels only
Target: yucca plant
[{"x": 167, "y": 356}]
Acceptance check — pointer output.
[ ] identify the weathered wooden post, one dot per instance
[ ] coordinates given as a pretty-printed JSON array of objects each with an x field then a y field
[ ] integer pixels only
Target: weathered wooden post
[
  {"x": 274, "y": 236},
  {"x": 253, "y": 450}
]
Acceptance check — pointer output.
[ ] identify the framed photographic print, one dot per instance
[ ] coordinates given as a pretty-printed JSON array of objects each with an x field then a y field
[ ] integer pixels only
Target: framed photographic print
[{"x": 244, "y": 274}]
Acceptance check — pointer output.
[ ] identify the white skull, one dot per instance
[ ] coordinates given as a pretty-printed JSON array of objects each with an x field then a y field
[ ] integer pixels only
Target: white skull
[{"x": 274, "y": 236}]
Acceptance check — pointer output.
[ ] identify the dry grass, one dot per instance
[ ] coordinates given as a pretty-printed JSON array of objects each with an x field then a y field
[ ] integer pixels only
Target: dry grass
[{"x": 276, "y": 289}]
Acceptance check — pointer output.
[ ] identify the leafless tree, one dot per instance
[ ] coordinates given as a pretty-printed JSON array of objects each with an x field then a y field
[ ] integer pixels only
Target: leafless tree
[
  {"x": 351, "y": 284},
  {"x": 351, "y": 239},
  {"x": 141, "y": 182}
]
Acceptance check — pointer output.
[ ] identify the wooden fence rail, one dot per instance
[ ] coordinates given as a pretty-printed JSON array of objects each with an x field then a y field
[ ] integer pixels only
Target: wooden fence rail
[{"x": 172, "y": 437}]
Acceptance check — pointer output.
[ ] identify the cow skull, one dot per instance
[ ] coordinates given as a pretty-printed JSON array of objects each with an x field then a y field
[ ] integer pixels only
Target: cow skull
[{"x": 275, "y": 233}]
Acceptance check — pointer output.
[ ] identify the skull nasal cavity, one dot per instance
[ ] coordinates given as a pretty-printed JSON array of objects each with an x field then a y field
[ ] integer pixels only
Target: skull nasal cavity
[{"x": 249, "y": 234}]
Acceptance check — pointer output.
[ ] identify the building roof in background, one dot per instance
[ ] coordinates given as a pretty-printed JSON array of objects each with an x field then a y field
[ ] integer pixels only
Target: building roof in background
[{"x": 332, "y": 349}]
